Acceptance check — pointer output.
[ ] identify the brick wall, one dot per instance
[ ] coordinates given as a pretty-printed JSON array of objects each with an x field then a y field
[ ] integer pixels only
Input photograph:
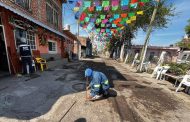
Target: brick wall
[
  {"x": 38, "y": 10},
  {"x": 75, "y": 50},
  {"x": 83, "y": 41}
]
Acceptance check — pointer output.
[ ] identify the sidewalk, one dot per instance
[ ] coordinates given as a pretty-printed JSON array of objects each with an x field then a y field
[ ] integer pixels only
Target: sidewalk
[{"x": 40, "y": 96}]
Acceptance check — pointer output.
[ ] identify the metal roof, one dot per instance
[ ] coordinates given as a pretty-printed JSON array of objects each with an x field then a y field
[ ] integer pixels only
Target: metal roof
[{"x": 32, "y": 20}]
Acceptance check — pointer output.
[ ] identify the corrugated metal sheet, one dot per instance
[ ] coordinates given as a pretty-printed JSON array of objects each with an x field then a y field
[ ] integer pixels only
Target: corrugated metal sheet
[{"x": 32, "y": 20}]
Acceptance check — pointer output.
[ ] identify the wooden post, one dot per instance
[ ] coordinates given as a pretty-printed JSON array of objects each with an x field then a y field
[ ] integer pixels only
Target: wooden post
[
  {"x": 87, "y": 84},
  {"x": 143, "y": 53}
]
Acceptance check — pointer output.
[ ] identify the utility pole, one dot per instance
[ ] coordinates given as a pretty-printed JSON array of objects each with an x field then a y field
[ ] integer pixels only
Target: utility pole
[
  {"x": 78, "y": 42},
  {"x": 144, "y": 49}
]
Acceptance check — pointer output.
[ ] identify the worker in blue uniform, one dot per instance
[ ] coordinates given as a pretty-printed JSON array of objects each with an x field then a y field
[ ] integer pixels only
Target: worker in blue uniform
[
  {"x": 98, "y": 85},
  {"x": 25, "y": 54}
]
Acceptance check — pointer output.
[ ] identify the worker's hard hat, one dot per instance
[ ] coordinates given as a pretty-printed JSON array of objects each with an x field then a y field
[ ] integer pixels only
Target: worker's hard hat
[{"x": 88, "y": 72}]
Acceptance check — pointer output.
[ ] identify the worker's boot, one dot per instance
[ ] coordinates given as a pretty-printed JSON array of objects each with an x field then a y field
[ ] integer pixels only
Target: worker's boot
[
  {"x": 106, "y": 93},
  {"x": 96, "y": 97}
]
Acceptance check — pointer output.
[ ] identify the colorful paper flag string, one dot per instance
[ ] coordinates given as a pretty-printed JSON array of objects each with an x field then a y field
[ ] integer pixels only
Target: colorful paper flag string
[{"x": 140, "y": 12}]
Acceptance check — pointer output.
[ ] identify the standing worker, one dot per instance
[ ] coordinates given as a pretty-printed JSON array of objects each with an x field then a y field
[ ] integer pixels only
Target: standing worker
[
  {"x": 25, "y": 54},
  {"x": 98, "y": 85}
]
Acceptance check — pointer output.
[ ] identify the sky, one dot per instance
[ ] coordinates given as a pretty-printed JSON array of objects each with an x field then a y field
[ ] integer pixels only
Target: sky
[
  {"x": 69, "y": 18},
  {"x": 163, "y": 37}
]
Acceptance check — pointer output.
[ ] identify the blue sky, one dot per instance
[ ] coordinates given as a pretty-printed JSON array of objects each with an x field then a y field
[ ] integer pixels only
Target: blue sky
[
  {"x": 163, "y": 37},
  {"x": 68, "y": 18},
  {"x": 175, "y": 31}
]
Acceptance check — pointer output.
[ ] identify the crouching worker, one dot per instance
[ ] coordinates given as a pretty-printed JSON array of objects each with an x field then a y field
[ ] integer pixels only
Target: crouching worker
[{"x": 98, "y": 84}]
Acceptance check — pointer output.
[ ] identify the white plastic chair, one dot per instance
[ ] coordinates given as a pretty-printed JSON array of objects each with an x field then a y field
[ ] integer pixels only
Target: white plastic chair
[
  {"x": 155, "y": 71},
  {"x": 146, "y": 65},
  {"x": 185, "y": 81},
  {"x": 161, "y": 72}
]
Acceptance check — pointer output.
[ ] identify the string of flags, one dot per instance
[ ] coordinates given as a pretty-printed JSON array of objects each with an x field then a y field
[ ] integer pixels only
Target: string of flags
[{"x": 114, "y": 15}]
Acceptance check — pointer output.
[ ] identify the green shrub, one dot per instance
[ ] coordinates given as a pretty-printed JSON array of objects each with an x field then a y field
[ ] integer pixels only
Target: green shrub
[
  {"x": 150, "y": 71},
  {"x": 130, "y": 59},
  {"x": 179, "y": 69}
]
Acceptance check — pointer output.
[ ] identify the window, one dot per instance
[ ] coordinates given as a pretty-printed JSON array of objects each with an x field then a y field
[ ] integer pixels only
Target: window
[
  {"x": 22, "y": 36},
  {"x": 52, "y": 47},
  {"x": 49, "y": 12},
  {"x": 184, "y": 57},
  {"x": 24, "y": 3},
  {"x": 52, "y": 13},
  {"x": 137, "y": 51},
  {"x": 188, "y": 59},
  {"x": 151, "y": 56},
  {"x": 31, "y": 40},
  {"x": 56, "y": 17}
]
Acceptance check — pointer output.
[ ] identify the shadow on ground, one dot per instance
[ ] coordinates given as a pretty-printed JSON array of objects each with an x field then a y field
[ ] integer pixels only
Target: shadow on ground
[
  {"x": 142, "y": 94},
  {"x": 80, "y": 120},
  {"x": 34, "y": 96},
  {"x": 111, "y": 73}
]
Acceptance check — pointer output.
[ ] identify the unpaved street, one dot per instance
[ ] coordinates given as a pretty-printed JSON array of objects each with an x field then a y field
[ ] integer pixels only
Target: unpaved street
[
  {"x": 138, "y": 98},
  {"x": 58, "y": 95}
]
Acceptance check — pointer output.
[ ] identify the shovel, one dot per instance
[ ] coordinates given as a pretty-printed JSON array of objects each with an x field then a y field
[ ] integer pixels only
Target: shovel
[{"x": 87, "y": 89}]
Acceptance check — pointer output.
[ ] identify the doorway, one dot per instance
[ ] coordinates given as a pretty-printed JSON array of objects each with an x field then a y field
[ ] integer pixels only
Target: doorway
[{"x": 4, "y": 66}]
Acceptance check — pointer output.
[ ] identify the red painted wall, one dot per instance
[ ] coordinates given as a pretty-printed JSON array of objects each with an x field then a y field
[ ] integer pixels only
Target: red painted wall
[
  {"x": 38, "y": 10},
  {"x": 9, "y": 36},
  {"x": 10, "y": 40}
]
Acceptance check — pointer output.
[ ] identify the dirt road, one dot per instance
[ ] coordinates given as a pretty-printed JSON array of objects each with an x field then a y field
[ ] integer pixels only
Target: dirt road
[
  {"x": 58, "y": 95},
  {"x": 136, "y": 98}
]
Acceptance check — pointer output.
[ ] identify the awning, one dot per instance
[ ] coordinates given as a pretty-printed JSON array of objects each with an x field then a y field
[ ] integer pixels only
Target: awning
[{"x": 32, "y": 20}]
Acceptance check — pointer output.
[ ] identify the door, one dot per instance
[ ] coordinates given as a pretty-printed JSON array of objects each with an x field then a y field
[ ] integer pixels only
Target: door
[{"x": 3, "y": 54}]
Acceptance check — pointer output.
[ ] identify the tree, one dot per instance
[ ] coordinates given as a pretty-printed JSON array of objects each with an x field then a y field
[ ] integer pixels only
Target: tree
[
  {"x": 164, "y": 13},
  {"x": 166, "y": 10},
  {"x": 185, "y": 43},
  {"x": 187, "y": 29}
]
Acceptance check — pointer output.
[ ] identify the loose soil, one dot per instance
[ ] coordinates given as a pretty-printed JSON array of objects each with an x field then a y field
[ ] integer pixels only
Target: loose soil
[{"x": 154, "y": 99}]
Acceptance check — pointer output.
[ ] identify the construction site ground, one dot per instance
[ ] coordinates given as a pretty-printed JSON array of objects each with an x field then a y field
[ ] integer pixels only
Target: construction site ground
[{"x": 58, "y": 95}]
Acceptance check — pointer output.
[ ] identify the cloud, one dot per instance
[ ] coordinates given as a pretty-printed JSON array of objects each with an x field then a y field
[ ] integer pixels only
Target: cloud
[
  {"x": 167, "y": 34},
  {"x": 139, "y": 39},
  {"x": 182, "y": 5},
  {"x": 182, "y": 10}
]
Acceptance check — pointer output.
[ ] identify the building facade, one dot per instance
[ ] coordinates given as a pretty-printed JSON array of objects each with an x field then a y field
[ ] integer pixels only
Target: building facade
[
  {"x": 85, "y": 47},
  {"x": 38, "y": 21},
  {"x": 69, "y": 44},
  {"x": 155, "y": 51}
]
